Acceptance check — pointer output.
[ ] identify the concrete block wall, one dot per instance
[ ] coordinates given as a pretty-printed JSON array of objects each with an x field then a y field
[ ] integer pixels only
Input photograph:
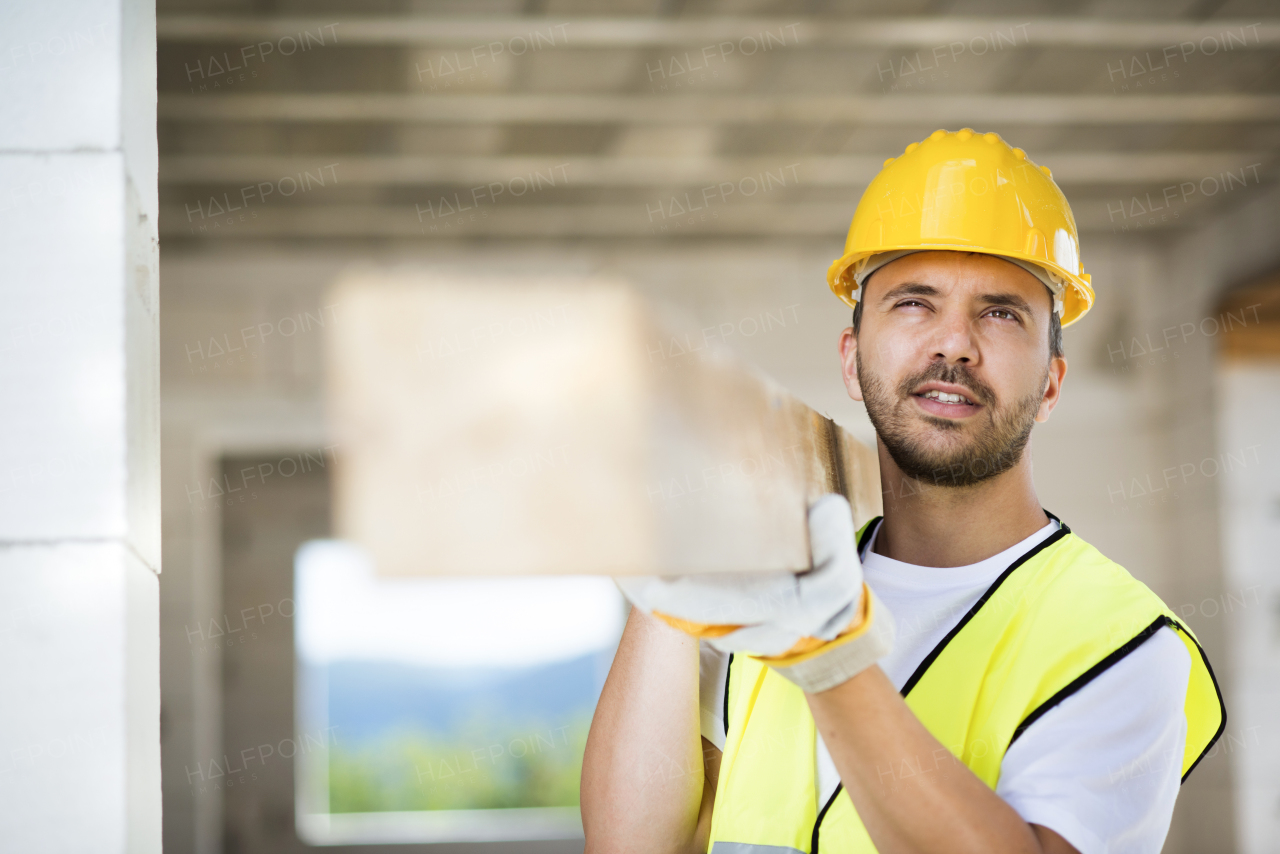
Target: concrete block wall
[{"x": 79, "y": 443}]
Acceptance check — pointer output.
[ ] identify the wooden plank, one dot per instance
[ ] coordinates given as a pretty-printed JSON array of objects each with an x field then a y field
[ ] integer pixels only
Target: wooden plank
[{"x": 544, "y": 427}]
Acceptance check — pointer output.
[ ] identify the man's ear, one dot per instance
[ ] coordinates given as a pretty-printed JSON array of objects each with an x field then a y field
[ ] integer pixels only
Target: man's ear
[
  {"x": 1053, "y": 388},
  {"x": 849, "y": 363}
]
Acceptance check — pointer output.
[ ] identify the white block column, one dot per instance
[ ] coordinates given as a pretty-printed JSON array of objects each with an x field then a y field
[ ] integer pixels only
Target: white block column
[{"x": 79, "y": 439}]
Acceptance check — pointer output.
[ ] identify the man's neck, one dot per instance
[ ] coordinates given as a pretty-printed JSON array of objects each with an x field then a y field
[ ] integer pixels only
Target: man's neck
[{"x": 942, "y": 526}]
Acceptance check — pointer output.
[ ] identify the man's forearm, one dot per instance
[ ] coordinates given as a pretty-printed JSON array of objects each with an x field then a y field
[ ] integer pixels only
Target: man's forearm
[
  {"x": 942, "y": 807},
  {"x": 642, "y": 775}
]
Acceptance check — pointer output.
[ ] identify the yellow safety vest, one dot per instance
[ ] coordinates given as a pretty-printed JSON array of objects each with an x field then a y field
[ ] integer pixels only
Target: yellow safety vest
[{"x": 1054, "y": 620}]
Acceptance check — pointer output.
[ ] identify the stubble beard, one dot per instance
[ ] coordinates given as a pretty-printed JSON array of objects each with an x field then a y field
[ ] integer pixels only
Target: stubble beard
[{"x": 996, "y": 449}]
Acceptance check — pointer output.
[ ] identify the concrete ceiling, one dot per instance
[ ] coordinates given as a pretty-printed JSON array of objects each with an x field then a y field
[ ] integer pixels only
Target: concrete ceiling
[{"x": 338, "y": 122}]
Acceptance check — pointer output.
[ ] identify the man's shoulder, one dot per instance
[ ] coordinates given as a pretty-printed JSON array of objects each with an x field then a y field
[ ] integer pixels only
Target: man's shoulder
[
  {"x": 1071, "y": 574},
  {"x": 1072, "y": 559}
]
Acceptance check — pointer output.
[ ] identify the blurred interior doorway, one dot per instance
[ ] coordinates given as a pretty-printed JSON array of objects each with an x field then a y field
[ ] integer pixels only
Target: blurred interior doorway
[{"x": 273, "y": 740}]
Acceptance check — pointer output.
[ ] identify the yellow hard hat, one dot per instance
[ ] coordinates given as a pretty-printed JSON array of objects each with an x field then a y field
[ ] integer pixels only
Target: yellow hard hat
[{"x": 968, "y": 192}]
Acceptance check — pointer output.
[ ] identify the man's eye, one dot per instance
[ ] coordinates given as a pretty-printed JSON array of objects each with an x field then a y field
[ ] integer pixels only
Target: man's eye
[
  {"x": 1002, "y": 313},
  {"x": 906, "y": 302}
]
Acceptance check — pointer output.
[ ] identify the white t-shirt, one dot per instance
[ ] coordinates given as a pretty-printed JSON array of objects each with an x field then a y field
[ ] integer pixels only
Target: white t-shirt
[{"x": 1102, "y": 768}]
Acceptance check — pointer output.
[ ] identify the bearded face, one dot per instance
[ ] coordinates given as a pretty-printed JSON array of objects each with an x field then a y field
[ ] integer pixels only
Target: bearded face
[
  {"x": 952, "y": 360},
  {"x": 939, "y": 450}
]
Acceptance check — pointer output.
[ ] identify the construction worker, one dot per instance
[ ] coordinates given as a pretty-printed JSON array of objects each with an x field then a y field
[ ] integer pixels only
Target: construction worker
[{"x": 1034, "y": 697}]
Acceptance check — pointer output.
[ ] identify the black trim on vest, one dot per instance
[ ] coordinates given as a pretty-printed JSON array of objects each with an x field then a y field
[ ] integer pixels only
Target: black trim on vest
[
  {"x": 1089, "y": 675},
  {"x": 1222, "y": 727},
  {"x": 817, "y": 825},
  {"x": 728, "y": 670},
  {"x": 1102, "y": 666},
  {"x": 1050, "y": 540},
  {"x": 871, "y": 528}
]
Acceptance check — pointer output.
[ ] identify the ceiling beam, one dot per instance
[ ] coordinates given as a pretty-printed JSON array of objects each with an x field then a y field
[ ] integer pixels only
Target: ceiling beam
[
  {"x": 373, "y": 222},
  {"x": 931, "y": 110},
  {"x": 525, "y": 174},
  {"x": 498, "y": 221},
  {"x": 538, "y": 33}
]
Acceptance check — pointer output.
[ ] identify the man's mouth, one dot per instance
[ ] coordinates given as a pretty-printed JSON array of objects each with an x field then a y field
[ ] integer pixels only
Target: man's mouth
[
  {"x": 943, "y": 396},
  {"x": 946, "y": 400}
]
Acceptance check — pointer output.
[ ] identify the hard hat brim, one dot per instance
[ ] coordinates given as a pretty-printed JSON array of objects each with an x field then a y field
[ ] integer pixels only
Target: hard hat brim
[{"x": 1077, "y": 297}]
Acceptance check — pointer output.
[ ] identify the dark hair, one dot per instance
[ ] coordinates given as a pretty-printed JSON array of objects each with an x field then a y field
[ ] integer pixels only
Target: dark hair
[{"x": 1055, "y": 329}]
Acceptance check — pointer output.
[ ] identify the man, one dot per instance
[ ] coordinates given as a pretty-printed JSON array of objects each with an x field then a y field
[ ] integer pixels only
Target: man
[{"x": 1036, "y": 698}]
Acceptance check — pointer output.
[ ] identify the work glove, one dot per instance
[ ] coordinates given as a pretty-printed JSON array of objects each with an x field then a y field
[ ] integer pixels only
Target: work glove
[{"x": 817, "y": 628}]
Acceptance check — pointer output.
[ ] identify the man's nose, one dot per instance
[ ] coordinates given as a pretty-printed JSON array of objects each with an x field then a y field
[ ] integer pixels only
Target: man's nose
[{"x": 954, "y": 341}]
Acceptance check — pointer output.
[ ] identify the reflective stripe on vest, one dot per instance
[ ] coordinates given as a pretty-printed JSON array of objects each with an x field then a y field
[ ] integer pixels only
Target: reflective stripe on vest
[{"x": 1052, "y": 622}]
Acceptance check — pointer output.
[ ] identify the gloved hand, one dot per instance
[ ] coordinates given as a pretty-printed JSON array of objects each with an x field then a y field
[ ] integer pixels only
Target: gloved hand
[{"x": 818, "y": 628}]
